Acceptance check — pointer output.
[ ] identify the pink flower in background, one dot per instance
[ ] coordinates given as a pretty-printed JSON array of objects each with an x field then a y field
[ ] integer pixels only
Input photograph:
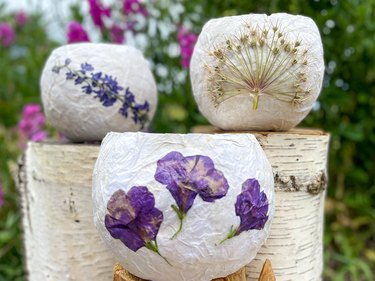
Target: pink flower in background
[
  {"x": 6, "y": 34},
  {"x": 117, "y": 34},
  {"x": 76, "y": 33},
  {"x": 1, "y": 195},
  {"x": 134, "y": 7},
  {"x": 32, "y": 123},
  {"x": 97, "y": 12},
  {"x": 187, "y": 40},
  {"x": 21, "y": 18}
]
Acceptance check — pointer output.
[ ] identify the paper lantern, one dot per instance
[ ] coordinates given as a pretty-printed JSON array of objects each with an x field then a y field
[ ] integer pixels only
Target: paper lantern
[
  {"x": 91, "y": 89},
  {"x": 257, "y": 72},
  {"x": 182, "y": 207}
]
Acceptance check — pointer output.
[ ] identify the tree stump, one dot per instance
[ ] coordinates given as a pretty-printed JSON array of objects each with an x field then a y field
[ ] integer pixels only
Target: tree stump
[{"x": 62, "y": 243}]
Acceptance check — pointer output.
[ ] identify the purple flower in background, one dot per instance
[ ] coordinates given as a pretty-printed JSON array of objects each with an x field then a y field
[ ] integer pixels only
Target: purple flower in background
[
  {"x": 6, "y": 34},
  {"x": 106, "y": 88},
  {"x": 21, "y": 18},
  {"x": 187, "y": 177},
  {"x": 97, "y": 12},
  {"x": 133, "y": 219},
  {"x": 134, "y": 7},
  {"x": 117, "y": 34},
  {"x": 252, "y": 208},
  {"x": 32, "y": 123},
  {"x": 76, "y": 33},
  {"x": 187, "y": 40}
]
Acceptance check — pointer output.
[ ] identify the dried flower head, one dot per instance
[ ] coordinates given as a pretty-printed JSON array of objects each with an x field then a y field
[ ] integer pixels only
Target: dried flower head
[{"x": 259, "y": 61}]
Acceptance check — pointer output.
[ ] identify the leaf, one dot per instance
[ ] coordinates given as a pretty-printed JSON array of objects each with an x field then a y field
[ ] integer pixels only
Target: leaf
[{"x": 267, "y": 273}]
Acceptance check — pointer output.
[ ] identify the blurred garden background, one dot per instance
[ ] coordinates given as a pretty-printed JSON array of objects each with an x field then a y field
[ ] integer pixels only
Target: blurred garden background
[{"x": 166, "y": 31}]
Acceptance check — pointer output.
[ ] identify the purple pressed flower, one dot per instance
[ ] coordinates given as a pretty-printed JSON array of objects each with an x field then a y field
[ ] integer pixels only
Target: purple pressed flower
[
  {"x": 76, "y": 33},
  {"x": 117, "y": 34},
  {"x": 6, "y": 34},
  {"x": 97, "y": 12},
  {"x": 133, "y": 219},
  {"x": 21, "y": 18},
  {"x": 187, "y": 177},
  {"x": 252, "y": 208},
  {"x": 187, "y": 40},
  {"x": 32, "y": 123}
]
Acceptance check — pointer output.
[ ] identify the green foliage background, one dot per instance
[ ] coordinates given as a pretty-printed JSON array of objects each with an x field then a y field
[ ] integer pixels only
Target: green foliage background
[{"x": 346, "y": 110}]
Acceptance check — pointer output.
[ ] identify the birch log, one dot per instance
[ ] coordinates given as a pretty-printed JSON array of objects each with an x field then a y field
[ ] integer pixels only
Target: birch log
[{"x": 62, "y": 243}]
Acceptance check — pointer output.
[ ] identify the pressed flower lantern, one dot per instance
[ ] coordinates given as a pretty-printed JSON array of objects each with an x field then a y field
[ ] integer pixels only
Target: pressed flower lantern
[
  {"x": 182, "y": 207},
  {"x": 257, "y": 72},
  {"x": 91, "y": 89}
]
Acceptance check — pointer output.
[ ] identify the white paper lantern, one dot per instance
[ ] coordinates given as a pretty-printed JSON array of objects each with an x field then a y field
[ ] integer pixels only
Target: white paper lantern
[
  {"x": 91, "y": 89},
  {"x": 182, "y": 207},
  {"x": 257, "y": 72}
]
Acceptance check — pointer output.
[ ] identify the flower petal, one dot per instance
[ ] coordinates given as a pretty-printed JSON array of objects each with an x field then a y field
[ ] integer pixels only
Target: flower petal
[
  {"x": 149, "y": 223},
  {"x": 121, "y": 209},
  {"x": 209, "y": 182},
  {"x": 170, "y": 168},
  {"x": 141, "y": 199},
  {"x": 183, "y": 196}
]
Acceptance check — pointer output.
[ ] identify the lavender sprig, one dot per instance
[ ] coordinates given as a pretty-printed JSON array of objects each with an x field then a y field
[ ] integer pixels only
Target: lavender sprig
[{"x": 107, "y": 90}]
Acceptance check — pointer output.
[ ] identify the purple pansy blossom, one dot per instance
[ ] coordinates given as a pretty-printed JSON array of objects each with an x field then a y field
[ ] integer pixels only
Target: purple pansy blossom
[
  {"x": 187, "y": 40},
  {"x": 76, "y": 33},
  {"x": 97, "y": 12},
  {"x": 106, "y": 88},
  {"x": 6, "y": 34},
  {"x": 187, "y": 177},
  {"x": 133, "y": 219},
  {"x": 252, "y": 208},
  {"x": 21, "y": 18}
]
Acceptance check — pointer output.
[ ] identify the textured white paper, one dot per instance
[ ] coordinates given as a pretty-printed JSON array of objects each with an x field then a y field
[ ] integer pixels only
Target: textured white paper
[
  {"x": 237, "y": 113},
  {"x": 81, "y": 117},
  {"x": 130, "y": 159}
]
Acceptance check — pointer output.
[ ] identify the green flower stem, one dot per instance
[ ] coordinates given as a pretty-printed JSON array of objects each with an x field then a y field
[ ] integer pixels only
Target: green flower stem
[
  {"x": 230, "y": 235},
  {"x": 153, "y": 247},
  {"x": 255, "y": 101},
  {"x": 181, "y": 216}
]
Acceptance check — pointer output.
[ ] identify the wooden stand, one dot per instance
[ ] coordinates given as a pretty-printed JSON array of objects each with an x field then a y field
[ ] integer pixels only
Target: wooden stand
[{"x": 62, "y": 243}]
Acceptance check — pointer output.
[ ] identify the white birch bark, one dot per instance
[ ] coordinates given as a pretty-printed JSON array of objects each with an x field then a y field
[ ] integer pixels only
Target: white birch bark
[{"x": 62, "y": 243}]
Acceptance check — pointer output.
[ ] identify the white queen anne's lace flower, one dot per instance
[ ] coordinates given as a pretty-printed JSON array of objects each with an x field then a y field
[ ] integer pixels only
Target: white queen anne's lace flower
[{"x": 257, "y": 72}]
